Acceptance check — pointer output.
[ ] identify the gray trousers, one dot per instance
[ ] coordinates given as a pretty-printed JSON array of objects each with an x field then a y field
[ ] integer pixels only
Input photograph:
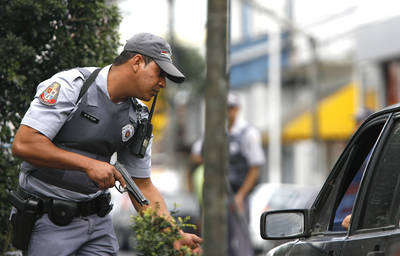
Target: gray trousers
[
  {"x": 91, "y": 235},
  {"x": 238, "y": 234}
]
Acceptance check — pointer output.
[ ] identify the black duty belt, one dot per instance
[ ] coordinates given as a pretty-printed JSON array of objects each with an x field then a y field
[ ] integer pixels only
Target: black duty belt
[{"x": 62, "y": 212}]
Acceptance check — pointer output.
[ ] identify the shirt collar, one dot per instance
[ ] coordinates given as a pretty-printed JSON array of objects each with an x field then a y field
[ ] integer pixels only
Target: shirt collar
[
  {"x": 101, "y": 80},
  {"x": 238, "y": 125}
]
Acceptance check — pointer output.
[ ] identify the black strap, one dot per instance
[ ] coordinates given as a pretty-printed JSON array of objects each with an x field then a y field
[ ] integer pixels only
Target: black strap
[
  {"x": 88, "y": 82},
  {"x": 152, "y": 107}
]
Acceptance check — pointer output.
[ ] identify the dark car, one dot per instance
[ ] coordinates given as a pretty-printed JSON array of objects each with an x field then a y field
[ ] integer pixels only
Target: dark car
[{"x": 363, "y": 184}]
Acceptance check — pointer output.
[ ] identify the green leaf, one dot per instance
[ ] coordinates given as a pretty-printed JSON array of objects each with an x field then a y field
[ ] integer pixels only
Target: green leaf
[{"x": 155, "y": 235}]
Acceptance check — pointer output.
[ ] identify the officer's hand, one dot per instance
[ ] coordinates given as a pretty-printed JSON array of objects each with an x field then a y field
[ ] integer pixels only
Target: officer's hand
[
  {"x": 104, "y": 174},
  {"x": 190, "y": 240},
  {"x": 239, "y": 201}
]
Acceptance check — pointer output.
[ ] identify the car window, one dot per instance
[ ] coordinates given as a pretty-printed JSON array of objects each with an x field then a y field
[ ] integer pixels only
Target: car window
[
  {"x": 357, "y": 163},
  {"x": 381, "y": 199},
  {"x": 337, "y": 196},
  {"x": 345, "y": 206}
]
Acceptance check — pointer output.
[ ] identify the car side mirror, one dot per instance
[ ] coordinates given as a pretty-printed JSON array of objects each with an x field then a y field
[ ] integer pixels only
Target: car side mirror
[{"x": 285, "y": 224}]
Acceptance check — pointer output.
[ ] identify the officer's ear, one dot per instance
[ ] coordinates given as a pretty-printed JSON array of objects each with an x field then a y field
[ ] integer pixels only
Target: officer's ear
[{"x": 135, "y": 62}]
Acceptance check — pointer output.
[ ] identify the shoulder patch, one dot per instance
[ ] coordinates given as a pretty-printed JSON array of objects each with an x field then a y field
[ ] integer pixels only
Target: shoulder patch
[{"x": 50, "y": 94}]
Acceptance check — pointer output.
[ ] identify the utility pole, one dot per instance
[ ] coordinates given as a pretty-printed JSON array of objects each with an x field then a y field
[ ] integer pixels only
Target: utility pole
[
  {"x": 274, "y": 70},
  {"x": 215, "y": 233},
  {"x": 315, "y": 95},
  {"x": 314, "y": 79},
  {"x": 274, "y": 80},
  {"x": 314, "y": 71},
  {"x": 171, "y": 21}
]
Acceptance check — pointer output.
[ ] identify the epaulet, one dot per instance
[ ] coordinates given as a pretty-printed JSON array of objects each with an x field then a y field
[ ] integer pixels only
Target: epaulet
[{"x": 71, "y": 75}]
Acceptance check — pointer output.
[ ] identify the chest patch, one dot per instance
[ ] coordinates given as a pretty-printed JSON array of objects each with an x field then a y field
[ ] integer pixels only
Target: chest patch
[
  {"x": 50, "y": 94},
  {"x": 127, "y": 132}
]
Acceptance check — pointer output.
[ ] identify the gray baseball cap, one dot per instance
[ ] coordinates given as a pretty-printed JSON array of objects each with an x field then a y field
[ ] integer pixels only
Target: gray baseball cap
[{"x": 159, "y": 50}]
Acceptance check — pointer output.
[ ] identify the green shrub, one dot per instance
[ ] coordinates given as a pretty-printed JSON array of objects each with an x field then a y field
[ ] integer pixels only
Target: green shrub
[
  {"x": 9, "y": 171},
  {"x": 155, "y": 235},
  {"x": 37, "y": 40}
]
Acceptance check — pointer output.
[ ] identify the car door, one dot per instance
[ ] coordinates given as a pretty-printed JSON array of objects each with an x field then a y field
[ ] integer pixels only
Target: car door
[
  {"x": 374, "y": 227},
  {"x": 337, "y": 197}
]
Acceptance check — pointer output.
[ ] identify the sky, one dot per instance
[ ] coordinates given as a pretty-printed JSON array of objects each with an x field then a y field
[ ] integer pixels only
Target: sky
[
  {"x": 310, "y": 15},
  {"x": 152, "y": 16},
  {"x": 360, "y": 12}
]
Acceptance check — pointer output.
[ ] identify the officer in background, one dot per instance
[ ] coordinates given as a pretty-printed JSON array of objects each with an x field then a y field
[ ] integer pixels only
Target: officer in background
[
  {"x": 246, "y": 156},
  {"x": 66, "y": 141}
]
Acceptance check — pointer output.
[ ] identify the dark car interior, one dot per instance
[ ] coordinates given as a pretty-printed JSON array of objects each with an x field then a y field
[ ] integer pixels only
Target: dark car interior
[
  {"x": 356, "y": 164},
  {"x": 341, "y": 177}
]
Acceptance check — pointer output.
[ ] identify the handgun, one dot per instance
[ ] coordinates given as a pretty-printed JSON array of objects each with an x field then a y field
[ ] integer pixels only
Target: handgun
[{"x": 131, "y": 186}]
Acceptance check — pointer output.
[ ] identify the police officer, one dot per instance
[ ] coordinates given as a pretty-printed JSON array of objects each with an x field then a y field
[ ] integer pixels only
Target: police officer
[
  {"x": 245, "y": 159},
  {"x": 66, "y": 141}
]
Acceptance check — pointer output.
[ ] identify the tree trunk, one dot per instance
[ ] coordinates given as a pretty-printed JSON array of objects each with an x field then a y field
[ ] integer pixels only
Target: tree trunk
[{"x": 215, "y": 142}]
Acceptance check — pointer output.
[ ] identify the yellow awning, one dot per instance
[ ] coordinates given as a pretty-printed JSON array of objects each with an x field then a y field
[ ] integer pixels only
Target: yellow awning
[{"x": 335, "y": 117}]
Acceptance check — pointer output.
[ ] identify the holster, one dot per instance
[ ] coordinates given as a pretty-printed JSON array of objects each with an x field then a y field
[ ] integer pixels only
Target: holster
[
  {"x": 23, "y": 220},
  {"x": 30, "y": 208}
]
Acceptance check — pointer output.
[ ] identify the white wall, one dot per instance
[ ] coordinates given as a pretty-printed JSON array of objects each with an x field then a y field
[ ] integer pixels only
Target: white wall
[
  {"x": 304, "y": 171},
  {"x": 254, "y": 105}
]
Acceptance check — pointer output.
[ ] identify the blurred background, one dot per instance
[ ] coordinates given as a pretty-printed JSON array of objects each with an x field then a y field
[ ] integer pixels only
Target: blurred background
[
  {"x": 304, "y": 71},
  {"x": 336, "y": 60}
]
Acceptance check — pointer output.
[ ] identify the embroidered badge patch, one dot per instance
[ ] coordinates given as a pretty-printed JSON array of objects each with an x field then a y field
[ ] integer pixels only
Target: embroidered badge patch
[
  {"x": 166, "y": 54},
  {"x": 127, "y": 132},
  {"x": 50, "y": 94}
]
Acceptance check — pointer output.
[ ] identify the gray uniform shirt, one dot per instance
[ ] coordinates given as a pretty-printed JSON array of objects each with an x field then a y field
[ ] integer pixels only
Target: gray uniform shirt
[
  {"x": 48, "y": 120},
  {"x": 250, "y": 141}
]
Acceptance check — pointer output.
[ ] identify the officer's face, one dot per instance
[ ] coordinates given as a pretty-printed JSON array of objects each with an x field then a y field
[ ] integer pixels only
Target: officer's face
[
  {"x": 232, "y": 113},
  {"x": 150, "y": 81}
]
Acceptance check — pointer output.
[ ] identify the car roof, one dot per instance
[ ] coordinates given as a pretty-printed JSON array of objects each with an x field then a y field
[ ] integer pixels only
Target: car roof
[{"x": 388, "y": 109}]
